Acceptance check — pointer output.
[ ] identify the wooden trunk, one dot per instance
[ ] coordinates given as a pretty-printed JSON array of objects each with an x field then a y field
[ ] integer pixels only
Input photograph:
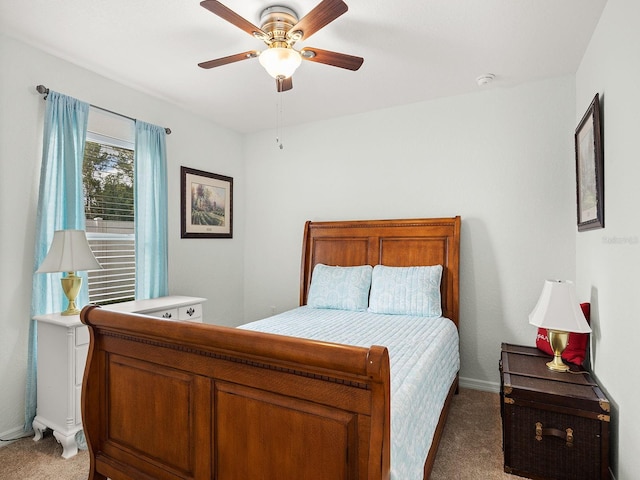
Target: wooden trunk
[{"x": 555, "y": 425}]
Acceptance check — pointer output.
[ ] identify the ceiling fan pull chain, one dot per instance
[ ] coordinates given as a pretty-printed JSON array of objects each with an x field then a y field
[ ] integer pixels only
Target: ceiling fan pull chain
[{"x": 279, "y": 116}]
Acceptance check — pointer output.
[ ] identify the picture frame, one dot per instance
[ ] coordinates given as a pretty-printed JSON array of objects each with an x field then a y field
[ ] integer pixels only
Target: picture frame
[
  {"x": 590, "y": 169},
  {"x": 206, "y": 201}
]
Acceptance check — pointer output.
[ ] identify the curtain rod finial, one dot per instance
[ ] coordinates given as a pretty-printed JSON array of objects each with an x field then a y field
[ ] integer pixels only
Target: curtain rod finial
[{"x": 42, "y": 89}]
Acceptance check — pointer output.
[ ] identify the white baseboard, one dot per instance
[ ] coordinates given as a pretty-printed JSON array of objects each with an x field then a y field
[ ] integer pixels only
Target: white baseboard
[
  {"x": 482, "y": 385},
  {"x": 11, "y": 436}
]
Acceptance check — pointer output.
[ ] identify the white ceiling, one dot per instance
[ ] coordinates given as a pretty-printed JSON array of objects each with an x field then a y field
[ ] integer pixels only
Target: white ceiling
[{"x": 414, "y": 50}]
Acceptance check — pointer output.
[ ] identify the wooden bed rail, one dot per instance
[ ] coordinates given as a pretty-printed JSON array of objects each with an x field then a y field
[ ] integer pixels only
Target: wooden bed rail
[{"x": 179, "y": 400}]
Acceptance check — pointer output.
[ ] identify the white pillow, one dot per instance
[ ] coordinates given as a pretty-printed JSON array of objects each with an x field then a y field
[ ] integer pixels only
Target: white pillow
[
  {"x": 406, "y": 290},
  {"x": 344, "y": 288}
]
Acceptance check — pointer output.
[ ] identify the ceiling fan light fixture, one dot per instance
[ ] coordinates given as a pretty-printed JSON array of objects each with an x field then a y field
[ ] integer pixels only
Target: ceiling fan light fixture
[{"x": 280, "y": 61}]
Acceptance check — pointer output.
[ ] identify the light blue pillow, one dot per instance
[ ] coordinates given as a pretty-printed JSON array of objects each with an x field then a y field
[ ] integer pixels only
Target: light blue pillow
[
  {"x": 344, "y": 288},
  {"x": 406, "y": 290}
]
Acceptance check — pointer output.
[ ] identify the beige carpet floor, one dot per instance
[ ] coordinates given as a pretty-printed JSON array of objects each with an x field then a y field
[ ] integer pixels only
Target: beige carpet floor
[
  {"x": 471, "y": 448},
  {"x": 29, "y": 460}
]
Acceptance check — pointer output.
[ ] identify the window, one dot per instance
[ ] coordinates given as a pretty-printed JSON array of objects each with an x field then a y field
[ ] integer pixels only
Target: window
[{"x": 107, "y": 176}]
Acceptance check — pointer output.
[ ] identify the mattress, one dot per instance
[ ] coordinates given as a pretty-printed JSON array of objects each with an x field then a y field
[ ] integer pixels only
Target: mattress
[{"x": 424, "y": 360}]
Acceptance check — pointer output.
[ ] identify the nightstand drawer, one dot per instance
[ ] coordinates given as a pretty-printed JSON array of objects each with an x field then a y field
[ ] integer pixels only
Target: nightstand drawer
[
  {"x": 82, "y": 335},
  {"x": 193, "y": 313},
  {"x": 78, "y": 406},
  {"x": 81, "y": 360},
  {"x": 169, "y": 314}
]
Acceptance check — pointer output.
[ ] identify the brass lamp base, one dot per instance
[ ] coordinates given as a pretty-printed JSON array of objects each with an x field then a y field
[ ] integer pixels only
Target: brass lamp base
[
  {"x": 71, "y": 286},
  {"x": 558, "y": 341}
]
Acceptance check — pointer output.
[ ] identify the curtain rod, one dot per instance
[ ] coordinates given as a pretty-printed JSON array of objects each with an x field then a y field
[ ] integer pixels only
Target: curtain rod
[{"x": 45, "y": 91}]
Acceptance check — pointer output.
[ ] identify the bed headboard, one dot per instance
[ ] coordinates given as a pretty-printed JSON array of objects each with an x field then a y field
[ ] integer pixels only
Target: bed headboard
[{"x": 400, "y": 243}]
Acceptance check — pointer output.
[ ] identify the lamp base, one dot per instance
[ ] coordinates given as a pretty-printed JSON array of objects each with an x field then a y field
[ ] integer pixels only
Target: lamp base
[
  {"x": 557, "y": 367},
  {"x": 72, "y": 310},
  {"x": 558, "y": 341},
  {"x": 71, "y": 286}
]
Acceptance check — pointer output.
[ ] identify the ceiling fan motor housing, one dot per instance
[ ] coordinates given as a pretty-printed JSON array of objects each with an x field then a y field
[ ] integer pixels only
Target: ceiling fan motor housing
[{"x": 277, "y": 21}]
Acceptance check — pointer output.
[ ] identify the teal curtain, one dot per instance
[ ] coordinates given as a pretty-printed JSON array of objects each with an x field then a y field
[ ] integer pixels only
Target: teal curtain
[
  {"x": 60, "y": 207},
  {"x": 150, "y": 200}
]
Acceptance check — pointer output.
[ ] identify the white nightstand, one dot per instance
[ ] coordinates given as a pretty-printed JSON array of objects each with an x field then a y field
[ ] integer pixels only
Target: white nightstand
[{"x": 63, "y": 343}]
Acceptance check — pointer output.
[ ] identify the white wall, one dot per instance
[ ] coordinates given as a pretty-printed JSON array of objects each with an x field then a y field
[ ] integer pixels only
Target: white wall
[
  {"x": 502, "y": 159},
  {"x": 608, "y": 260},
  {"x": 208, "y": 268}
]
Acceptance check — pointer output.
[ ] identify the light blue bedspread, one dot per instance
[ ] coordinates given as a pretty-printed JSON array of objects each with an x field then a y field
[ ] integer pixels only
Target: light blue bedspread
[{"x": 424, "y": 356}]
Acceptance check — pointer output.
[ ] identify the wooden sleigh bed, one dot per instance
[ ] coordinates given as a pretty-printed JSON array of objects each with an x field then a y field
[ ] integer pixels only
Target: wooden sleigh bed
[{"x": 178, "y": 400}]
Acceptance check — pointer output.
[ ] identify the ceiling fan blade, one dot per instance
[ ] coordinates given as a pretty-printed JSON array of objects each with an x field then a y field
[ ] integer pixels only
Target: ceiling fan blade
[
  {"x": 334, "y": 59},
  {"x": 284, "y": 84},
  {"x": 323, "y": 14},
  {"x": 230, "y": 59},
  {"x": 232, "y": 17}
]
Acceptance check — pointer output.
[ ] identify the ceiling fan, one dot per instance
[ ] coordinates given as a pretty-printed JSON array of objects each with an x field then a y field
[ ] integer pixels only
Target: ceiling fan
[{"x": 280, "y": 29}]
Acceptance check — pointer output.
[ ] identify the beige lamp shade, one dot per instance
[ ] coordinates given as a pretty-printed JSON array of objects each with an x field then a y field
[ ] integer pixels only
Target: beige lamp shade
[
  {"x": 558, "y": 308},
  {"x": 69, "y": 252}
]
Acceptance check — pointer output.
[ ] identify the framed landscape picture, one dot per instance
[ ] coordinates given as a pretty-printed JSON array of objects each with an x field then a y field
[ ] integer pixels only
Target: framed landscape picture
[
  {"x": 590, "y": 169},
  {"x": 206, "y": 204}
]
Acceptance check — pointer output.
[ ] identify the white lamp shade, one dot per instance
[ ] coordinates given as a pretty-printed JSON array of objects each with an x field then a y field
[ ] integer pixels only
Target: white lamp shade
[
  {"x": 558, "y": 308},
  {"x": 280, "y": 61},
  {"x": 69, "y": 252}
]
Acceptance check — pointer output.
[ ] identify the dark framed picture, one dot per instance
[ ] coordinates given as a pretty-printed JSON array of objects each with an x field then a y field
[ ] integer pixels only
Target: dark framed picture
[
  {"x": 590, "y": 169},
  {"x": 206, "y": 201}
]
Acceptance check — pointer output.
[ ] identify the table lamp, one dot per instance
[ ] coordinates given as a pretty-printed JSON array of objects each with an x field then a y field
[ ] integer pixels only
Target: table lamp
[
  {"x": 559, "y": 312},
  {"x": 69, "y": 252}
]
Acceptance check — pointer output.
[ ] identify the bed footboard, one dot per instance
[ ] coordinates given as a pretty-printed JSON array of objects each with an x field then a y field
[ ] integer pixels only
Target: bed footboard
[{"x": 178, "y": 400}]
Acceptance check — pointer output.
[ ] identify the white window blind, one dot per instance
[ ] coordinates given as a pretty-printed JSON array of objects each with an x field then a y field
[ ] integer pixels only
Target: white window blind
[
  {"x": 117, "y": 281},
  {"x": 109, "y": 209}
]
